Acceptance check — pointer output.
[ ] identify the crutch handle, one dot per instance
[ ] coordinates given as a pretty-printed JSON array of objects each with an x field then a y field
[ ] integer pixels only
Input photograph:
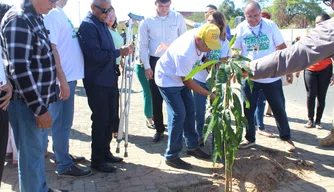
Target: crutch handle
[{"x": 135, "y": 17}]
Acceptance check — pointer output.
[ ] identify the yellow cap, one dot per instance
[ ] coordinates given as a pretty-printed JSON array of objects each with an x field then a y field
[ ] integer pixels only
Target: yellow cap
[{"x": 210, "y": 33}]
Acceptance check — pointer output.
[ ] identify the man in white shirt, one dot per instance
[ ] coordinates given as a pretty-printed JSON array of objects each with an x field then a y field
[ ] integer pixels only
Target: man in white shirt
[
  {"x": 183, "y": 54},
  {"x": 161, "y": 29},
  {"x": 256, "y": 38},
  {"x": 69, "y": 68}
]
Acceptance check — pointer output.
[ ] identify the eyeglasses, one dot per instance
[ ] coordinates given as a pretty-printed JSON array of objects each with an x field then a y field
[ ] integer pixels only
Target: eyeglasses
[
  {"x": 326, "y": 2},
  {"x": 253, "y": 16},
  {"x": 103, "y": 10}
]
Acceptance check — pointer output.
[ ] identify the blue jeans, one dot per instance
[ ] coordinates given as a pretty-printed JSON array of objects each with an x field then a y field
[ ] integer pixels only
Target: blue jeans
[
  {"x": 275, "y": 97},
  {"x": 200, "y": 106},
  {"x": 259, "y": 111},
  {"x": 62, "y": 118},
  {"x": 181, "y": 120},
  {"x": 29, "y": 142}
]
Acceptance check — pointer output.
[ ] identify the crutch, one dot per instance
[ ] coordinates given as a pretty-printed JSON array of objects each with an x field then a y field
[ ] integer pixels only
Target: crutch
[{"x": 126, "y": 85}]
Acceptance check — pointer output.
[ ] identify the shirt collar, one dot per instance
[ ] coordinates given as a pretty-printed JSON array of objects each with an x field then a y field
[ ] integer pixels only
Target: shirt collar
[
  {"x": 156, "y": 14},
  {"x": 28, "y": 7}
]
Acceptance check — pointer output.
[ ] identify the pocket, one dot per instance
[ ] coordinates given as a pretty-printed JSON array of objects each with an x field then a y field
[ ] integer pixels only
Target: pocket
[{"x": 43, "y": 45}]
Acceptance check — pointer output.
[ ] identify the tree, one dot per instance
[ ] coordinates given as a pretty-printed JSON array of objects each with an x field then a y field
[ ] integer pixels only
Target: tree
[
  {"x": 227, "y": 105},
  {"x": 291, "y": 12},
  {"x": 227, "y": 7}
]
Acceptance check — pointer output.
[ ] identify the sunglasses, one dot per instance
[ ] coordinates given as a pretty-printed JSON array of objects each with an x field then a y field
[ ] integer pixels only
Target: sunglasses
[
  {"x": 326, "y": 2},
  {"x": 104, "y": 11}
]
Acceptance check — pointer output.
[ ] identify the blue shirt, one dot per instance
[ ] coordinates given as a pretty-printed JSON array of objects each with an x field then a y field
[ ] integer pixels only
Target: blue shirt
[{"x": 99, "y": 53}]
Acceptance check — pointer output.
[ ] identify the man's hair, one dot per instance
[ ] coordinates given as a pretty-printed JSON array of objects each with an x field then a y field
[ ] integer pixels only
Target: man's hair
[
  {"x": 324, "y": 16},
  {"x": 97, "y": 2},
  {"x": 162, "y": 1},
  {"x": 3, "y": 9},
  {"x": 265, "y": 14},
  {"x": 253, "y": 4},
  {"x": 212, "y": 7}
]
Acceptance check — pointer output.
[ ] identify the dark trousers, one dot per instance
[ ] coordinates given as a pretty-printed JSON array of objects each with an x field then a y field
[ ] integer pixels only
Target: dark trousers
[
  {"x": 103, "y": 104},
  {"x": 156, "y": 100},
  {"x": 316, "y": 84},
  {"x": 3, "y": 139},
  {"x": 275, "y": 97}
]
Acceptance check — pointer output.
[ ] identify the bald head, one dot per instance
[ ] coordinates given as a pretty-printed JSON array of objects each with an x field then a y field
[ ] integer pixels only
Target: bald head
[
  {"x": 253, "y": 13},
  {"x": 252, "y": 5},
  {"x": 98, "y": 2}
]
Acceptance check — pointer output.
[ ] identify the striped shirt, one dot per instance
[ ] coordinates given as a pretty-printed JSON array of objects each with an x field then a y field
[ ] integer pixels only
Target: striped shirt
[{"x": 28, "y": 57}]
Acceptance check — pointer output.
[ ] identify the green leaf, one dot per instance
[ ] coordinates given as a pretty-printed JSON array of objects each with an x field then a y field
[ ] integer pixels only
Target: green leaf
[
  {"x": 197, "y": 69},
  {"x": 210, "y": 82},
  {"x": 223, "y": 73},
  {"x": 250, "y": 82},
  {"x": 232, "y": 41},
  {"x": 241, "y": 58},
  {"x": 237, "y": 72}
]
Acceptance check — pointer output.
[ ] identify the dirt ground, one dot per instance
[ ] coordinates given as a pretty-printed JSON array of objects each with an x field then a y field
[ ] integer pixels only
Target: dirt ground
[{"x": 256, "y": 170}]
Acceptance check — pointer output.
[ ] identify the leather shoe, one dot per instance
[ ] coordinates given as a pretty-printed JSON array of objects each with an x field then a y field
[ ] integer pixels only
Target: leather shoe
[
  {"x": 76, "y": 159},
  {"x": 103, "y": 167},
  {"x": 157, "y": 137},
  {"x": 75, "y": 171},
  {"x": 56, "y": 190},
  {"x": 113, "y": 159},
  {"x": 178, "y": 163},
  {"x": 199, "y": 153}
]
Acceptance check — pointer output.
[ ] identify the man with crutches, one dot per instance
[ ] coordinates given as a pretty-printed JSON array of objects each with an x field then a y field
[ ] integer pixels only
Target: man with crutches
[{"x": 100, "y": 82}]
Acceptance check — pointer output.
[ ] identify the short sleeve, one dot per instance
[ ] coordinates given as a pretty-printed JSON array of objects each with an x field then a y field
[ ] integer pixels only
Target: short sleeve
[{"x": 53, "y": 25}]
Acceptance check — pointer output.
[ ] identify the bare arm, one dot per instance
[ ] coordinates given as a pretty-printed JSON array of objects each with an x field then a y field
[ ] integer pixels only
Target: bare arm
[
  {"x": 190, "y": 23},
  {"x": 195, "y": 87},
  {"x": 63, "y": 85}
]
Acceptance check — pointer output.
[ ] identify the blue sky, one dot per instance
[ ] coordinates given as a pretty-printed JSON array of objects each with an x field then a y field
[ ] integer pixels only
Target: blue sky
[{"x": 139, "y": 7}]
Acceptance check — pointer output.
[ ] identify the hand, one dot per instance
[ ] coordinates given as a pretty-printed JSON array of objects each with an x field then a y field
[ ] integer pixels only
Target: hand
[
  {"x": 65, "y": 91},
  {"x": 212, "y": 96},
  {"x": 297, "y": 74},
  {"x": 44, "y": 121},
  {"x": 289, "y": 78},
  {"x": 126, "y": 50},
  {"x": 332, "y": 81},
  {"x": 149, "y": 73},
  {"x": 8, "y": 88}
]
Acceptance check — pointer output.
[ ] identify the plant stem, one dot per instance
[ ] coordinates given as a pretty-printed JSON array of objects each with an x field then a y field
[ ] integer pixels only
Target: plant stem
[{"x": 226, "y": 106}]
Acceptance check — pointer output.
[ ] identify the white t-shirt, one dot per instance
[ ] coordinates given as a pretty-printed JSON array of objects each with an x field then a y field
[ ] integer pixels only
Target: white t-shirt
[
  {"x": 255, "y": 48},
  {"x": 63, "y": 35},
  {"x": 214, "y": 55},
  {"x": 177, "y": 61},
  {"x": 3, "y": 78}
]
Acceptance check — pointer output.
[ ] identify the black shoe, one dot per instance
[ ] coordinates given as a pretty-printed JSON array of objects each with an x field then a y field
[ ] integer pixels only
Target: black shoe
[
  {"x": 75, "y": 171},
  {"x": 199, "y": 153},
  {"x": 103, "y": 167},
  {"x": 113, "y": 159},
  {"x": 178, "y": 163},
  {"x": 157, "y": 137},
  {"x": 56, "y": 190},
  {"x": 77, "y": 159}
]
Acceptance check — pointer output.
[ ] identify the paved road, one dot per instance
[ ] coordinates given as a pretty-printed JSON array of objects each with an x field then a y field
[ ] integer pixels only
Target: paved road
[
  {"x": 145, "y": 170},
  {"x": 296, "y": 94}
]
